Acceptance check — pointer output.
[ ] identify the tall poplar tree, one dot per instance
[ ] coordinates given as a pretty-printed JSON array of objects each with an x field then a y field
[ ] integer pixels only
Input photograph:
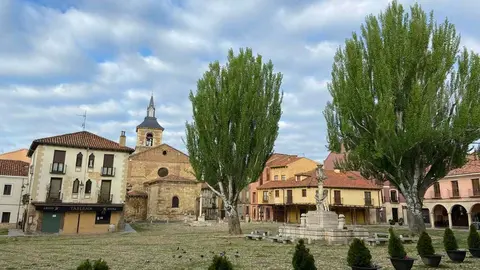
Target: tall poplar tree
[
  {"x": 406, "y": 102},
  {"x": 236, "y": 110}
]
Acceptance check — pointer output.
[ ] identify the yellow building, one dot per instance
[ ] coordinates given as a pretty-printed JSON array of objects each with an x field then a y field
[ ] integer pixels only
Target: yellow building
[{"x": 349, "y": 193}]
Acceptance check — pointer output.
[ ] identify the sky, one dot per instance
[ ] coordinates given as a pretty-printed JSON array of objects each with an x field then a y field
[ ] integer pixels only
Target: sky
[{"x": 59, "y": 58}]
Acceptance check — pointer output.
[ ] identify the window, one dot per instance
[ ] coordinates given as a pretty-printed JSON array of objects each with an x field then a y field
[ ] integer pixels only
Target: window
[
  {"x": 78, "y": 163},
  {"x": 275, "y": 178},
  {"x": 304, "y": 193},
  {"x": 455, "y": 190},
  {"x": 277, "y": 193},
  {"x": 149, "y": 140},
  {"x": 337, "y": 197},
  {"x": 254, "y": 197},
  {"x": 6, "y": 217},
  {"x": 436, "y": 190},
  {"x": 107, "y": 169},
  {"x": 284, "y": 178},
  {"x": 393, "y": 196},
  {"x": 476, "y": 187},
  {"x": 7, "y": 190},
  {"x": 88, "y": 187},
  {"x": 162, "y": 172},
  {"x": 368, "y": 198},
  {"x": 103, "y": 217},
  {"x": 58, "y": 161},
  {"x": 175, "y": 202},
  {"x": 265, "y": 196},
  {"x": 75, "y": 186},
  {"x": 91, "y": 160}
]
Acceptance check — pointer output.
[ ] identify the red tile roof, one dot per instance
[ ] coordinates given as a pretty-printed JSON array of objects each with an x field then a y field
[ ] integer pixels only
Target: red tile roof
[
  {"x": 281, "y": 160},
  {"x": 82, "y": 139},
  {"x": 13, "y": 167},
  {"x": 334, "y": 180},
  {"x": 20, "y": 154},
  {"x": 472, "y": 166}
]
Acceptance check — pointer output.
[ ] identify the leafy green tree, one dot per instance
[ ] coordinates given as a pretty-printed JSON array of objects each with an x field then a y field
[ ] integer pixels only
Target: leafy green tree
[
  {"x": 236, "y": 110},
  {"x": 358, "y": 254},
  {"x": 302, "y": 259},
  {"x": 406, "y": 102}
]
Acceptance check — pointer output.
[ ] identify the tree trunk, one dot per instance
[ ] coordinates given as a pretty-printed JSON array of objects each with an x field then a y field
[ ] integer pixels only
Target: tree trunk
[
  {"x": 414, "y": 213},
  {"x": 233, "y": 220}
]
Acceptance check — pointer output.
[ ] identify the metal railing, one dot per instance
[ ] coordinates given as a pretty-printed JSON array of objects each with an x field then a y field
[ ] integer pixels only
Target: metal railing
[
  {"x": 455, "y": 193},
  {"x": 337, "y": 200},
  {"x": 53, "y": 196},
  {"x": 369, "y": 201},
  {"x": 108, "y": 171},
  {"x": 474, "y": 192},
  {"x": 58, "y": 168},
  {"x": 105, "y": 198}
]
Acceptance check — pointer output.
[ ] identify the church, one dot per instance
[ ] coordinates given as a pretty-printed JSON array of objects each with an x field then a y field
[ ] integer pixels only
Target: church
[{"x": 161, "y": 185}]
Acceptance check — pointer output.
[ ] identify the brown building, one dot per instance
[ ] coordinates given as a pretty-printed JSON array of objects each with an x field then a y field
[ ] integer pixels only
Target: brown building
[{"x": 161, "y": 184}]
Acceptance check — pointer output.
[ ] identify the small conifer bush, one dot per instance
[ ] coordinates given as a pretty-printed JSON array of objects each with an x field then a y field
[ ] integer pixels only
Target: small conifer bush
[
  {"x": 93, "y": 265},
  {"x": 449, "y": 240},
  {"x": 424, "y": 245},
  {"x": 473, "y": 237},
  {"x": 358, "y": 254},
  {"x": 395, "y": 246},
  {"x": 220, "y": 263},
  {"x": 302, "y": 259}
]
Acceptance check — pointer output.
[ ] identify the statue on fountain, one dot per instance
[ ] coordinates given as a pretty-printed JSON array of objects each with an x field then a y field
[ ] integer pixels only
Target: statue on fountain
[{"x": 322, "y": 203}]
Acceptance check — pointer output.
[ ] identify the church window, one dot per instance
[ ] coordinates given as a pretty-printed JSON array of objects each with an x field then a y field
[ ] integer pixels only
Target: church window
[
  {"x": 164, "y": 152},
  {"x": 175, "y": 202},
  {"x": 88, "y": 187},
  {"x": 162, "y": 172},
  {"x": 75, "y": 186},
  {"x": 78, "y": 163},
  {"x": 91, "y": 160},
  {"x": 149, "y": 139}
]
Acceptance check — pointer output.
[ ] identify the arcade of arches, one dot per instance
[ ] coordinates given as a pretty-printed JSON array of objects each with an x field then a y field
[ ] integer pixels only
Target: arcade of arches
[{"x": 453, "y": 214}]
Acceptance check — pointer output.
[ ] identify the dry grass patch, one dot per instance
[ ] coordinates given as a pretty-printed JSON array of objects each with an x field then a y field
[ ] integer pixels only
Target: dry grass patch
[{"x": 176, "y": 246}]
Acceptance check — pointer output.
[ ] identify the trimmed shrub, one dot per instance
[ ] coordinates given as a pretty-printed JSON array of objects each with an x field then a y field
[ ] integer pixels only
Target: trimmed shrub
[
  {"x": 395, "y": 246},
  {"x": 358, "y": 254},
  {"x": 424, "y": 245},
  {"x": 220, "y": 263},
  {"x": 473, "y": 237},
  {"x": 302, "y": 259},
  {"x": 93, "y": 265},
  {"x": 449, "y": 240}
]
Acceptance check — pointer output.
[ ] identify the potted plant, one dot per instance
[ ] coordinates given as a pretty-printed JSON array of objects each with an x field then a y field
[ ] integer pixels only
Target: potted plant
[
  {"x": 359, "y": 257},
  {"x": 400, "y": 221},
  {"x": 302, "y": 259},
  {"x": 397, "y": 253},
  {"x": 451, "y": 247},
  {"x": 391, "y": 221},
  {"x": 474, "y": 242},
  {"x": 426, "y": 251}
]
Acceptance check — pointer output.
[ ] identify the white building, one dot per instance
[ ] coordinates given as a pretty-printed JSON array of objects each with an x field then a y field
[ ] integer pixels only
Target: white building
[
  {"x": 78, "y": 183},
  {"x": 13, "y": 180}
]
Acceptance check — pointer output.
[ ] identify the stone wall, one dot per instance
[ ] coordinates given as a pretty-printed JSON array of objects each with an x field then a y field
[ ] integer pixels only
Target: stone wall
[
  {"x": 160, "y": 197},
  {"x": 142, "y": 135}
]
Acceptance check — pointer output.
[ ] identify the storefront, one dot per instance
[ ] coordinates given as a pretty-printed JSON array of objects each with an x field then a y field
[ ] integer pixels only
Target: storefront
[{"x": 75, "y": 218}]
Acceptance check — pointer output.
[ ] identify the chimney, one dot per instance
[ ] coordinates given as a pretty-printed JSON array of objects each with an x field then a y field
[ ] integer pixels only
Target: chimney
[{"x": 123, "y": 139}]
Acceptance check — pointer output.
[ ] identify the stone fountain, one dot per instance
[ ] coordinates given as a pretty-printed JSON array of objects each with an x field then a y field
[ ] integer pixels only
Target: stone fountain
[{"x": 322, "y": 224}]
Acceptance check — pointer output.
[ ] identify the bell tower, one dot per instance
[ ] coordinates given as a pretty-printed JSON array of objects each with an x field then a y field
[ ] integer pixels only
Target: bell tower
[{"x": 149, "y": 132}]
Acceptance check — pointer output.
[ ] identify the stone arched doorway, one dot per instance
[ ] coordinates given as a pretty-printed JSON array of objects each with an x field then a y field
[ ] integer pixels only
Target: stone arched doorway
[
  {"x": 475, "y": 212},
  {"x": 440, "y": 216},
  {"x": 459, "y": 216}
]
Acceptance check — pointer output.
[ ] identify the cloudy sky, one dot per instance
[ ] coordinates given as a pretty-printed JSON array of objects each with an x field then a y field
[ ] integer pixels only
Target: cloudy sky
[{"x": 59, "y": 58}]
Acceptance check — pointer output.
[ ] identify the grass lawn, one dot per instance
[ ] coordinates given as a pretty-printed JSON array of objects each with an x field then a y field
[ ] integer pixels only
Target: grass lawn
[
  {"x": 3, "y": 231},
  {"x": 155, "y": 247}
]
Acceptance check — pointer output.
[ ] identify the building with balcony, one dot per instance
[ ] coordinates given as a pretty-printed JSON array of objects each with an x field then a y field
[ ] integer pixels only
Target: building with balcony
[
  {"x": 347, "y": 193},
  {"x": 13, "y": 182},
  {"x": 77, "y": 184},
  {"x": 454, "y": 201},
  {"x": 279, "y": 167}
]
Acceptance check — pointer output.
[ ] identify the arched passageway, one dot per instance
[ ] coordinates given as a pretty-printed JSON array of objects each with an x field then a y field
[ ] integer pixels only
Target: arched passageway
[
  {"x": 475, "y": 212},
  {"x": 440, "y": 216},
  {"x": 459, "y": 216}
]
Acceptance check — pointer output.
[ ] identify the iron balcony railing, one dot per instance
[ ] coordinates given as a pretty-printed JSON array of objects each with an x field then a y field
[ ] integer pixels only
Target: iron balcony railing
[
  {"x": 53, "y": 196},
  {"x": 369, "y": 202},
  {"x": 105, "y": 198},
  {"x": 455, "y": 193},
  {"x": 474, "y": 192},
  {"x": 337, "y": 200},
  {"x": 58, "y": 168},
  {"x": 108, "y": 171}
]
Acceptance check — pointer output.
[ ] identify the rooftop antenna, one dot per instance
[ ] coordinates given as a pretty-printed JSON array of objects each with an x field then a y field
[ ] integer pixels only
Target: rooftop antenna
[{"x": 84, "y": 115}]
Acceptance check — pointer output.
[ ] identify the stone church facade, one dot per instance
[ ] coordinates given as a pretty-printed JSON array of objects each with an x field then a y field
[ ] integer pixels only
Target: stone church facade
[{"x": 160, "y": 181}]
